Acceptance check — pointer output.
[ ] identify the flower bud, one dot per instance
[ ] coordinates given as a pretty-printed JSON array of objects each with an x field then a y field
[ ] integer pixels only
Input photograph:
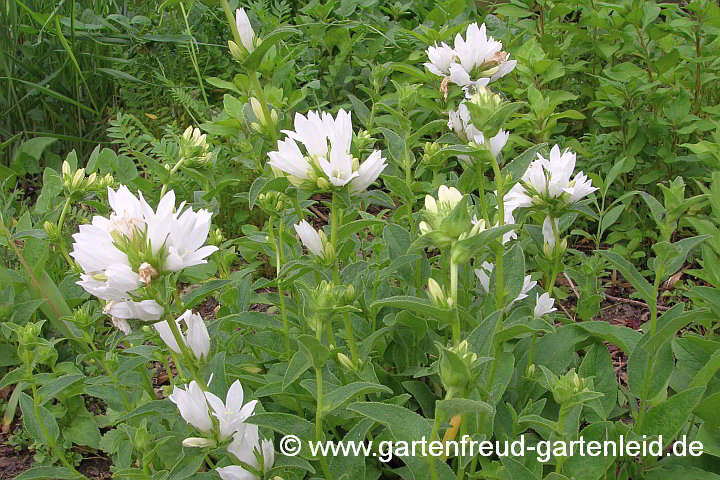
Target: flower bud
[
  {"x": 256, "y": 126},
  {"x": 65, "y": 168},
  {"x": 322, "y": 183},
  {"x": 237, "y": 53},
  {"x": 453, "y": 370},
  {"x": 197, "y": 442},
  {"x": 345, "y": 361},
  {"x": 274, "y": 117},
  {"x": 142, "y": 439},
  {"x": 258, "y": 111},
  {"x": 52, "y": 231}
]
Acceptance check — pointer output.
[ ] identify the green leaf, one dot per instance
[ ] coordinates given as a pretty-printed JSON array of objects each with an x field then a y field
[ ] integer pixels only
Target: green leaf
[
  {"x": 255, "y": 320},
  {"x": 457, "y": 406},
  {"x": 707, "y": 372},
  {"x": 414, "y": 304},
  {"x": 517, "y": 167},
  {"x": 669, "y": 417},
  {"x": 592, "y": 467},
  {"x": 352, "y": 466},
  {"x": 339, "y": 396},
  {"x": 298, "y": 365},
  {"x": 360, "y": 109},
  {"x": 254, "y": 60},
  {"x": 357, "y": 225},
  {"x": 199, "y": 294},
  {"x": 53, "y": 388},
  {"x": 628, "y": 271},
  {"x": 39, "y": 422},
  {"x": 467, "y": 248},
  {"x": 314, "y": 350},
  {"x": 263, "y": 184},
  {"x": 396, "y": 146},
  {"x": 597, "y": 363},
  {"x": 47, "y": 473},
  {"x": 188, "y": 465},
  {"x": 285, "y": 424}
]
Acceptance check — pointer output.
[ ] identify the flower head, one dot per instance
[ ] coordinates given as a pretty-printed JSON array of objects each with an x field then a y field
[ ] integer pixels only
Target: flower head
[
  {"x": 473, "y": 61},
  {"x": 247, "y": 34},
  {"x": 483, "y": 274},
  {"x": 327, "y": 162},
  {"x": 196, "y": 337},
  {"x": 247, "y": 447},
  {"x": 547, "y": 182},
  {"x": 127, "y": 250},
  {"x": 232, "y": 413},
  {"x": 193, "y": 406},
  {"x": 544, "y": 305},
  {"x": 315, "y": 241}
]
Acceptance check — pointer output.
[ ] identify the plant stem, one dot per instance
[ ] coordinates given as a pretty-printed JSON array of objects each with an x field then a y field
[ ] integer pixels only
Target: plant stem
[
  {"x": 500, "y": 250},
  {"x": 65, "y": 209},
  {"x": 260, "y": 93},
  {"x": 187, "y": 355},
  {"x": 455, "y": 306},
  {"x": 319, "y": 410},
  {"x": 172, "y": 172},
  {"x": 231, "y": 21},
  {"x": 334, "y": 220},
  {"x": 351, "y": 338},
  {"x": 281, "y": 291}
]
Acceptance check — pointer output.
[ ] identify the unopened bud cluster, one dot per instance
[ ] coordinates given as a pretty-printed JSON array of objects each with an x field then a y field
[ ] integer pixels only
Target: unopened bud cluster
[
  {"x": 76, "y": 183},
  {"x": 194, "y": 148}
]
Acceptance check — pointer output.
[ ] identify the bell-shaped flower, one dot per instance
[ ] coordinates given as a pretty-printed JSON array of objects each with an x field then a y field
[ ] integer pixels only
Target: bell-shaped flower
[
  {"x": 437, "y": 210},
  {"x": 193, "y": 406},
  {"x": 196, "y": 337},
  {"x": 327, "y": 162},
  {"x": 473, "y": 61},
  {"x": 127, "y": 250},
  {"x": 547, "y": 181},
  {"x": 188, "y": 233},
  {"x": 483, "y": 274},
  {"x": 232, "y": 413},
  {"x": 549, "y": 228},
  {"x": 544, "y": 305},
  {"x": 142, "y": 310},
  {"x": 247, "y": 447},
  {"x": 315, "y": 241},
  {"x": 440, "y": 59},
  {"x": 368, "y": 172},
  {"x": 247, "y": 34}
]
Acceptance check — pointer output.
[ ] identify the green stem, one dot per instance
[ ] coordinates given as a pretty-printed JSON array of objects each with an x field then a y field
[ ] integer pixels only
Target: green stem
[
  {"x": 188, "y": 358},
  {"x": 647, "y": 381},
  {"x": 65, "y": 209},
  {"x": 231, "y": 21},
  {"x": 351, "y": 339},
  {"x": 334, "y": 220},
  {"x": 193, "y": 55},
  {"x": 172, "y": 172},
  {"x": 433, "y": 437},
  {"x": 454, "y": 297},
  {"x": 281, "y": 291},
  {"x": 500, "y": 250},
  {"x": 260, "y": 94},
  {"x": 319, "y": 411}
]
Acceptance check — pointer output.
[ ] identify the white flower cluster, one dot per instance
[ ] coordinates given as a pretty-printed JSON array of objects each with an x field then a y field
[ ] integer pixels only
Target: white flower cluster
[
  {"x": 547, "y": 181},
  {"x": 327, "y": 161},
  {"x": 473, "y": 61},
  {"x": 124, "y": 252},
  {"x": 198, "y": 408}
]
